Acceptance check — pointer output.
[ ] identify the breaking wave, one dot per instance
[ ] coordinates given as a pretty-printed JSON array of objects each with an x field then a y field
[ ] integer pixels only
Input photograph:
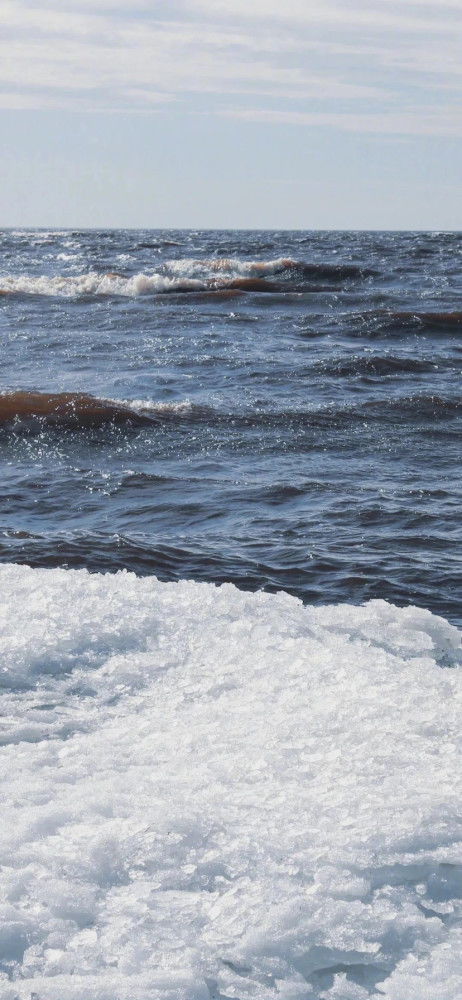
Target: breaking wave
[
  {"x": 73, "y": 410},
  {"x": 186, "y": 275},
  {"x": 78, "y": 409}
]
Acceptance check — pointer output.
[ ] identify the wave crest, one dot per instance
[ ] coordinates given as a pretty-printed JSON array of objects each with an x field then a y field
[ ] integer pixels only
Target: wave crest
[
  {"x": 186, "y": 275},
  {"x": 79, "y": 409}
]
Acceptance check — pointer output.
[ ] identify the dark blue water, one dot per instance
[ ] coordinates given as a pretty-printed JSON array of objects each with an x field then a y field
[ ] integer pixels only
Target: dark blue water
[{"x": 307, "y": 437}]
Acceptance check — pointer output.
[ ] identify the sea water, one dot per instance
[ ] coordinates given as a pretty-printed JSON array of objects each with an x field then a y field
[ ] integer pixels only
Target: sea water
[{"x": 230, "y": 672}]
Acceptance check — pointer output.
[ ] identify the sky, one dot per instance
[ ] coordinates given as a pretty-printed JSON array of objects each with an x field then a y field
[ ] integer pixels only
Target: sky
[{"x": 286, "y": 114}]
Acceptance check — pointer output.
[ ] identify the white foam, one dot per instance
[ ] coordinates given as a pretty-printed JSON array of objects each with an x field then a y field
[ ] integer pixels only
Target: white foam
[
  {"x": 39, "y": 234},
  {"x": 208, "y": 793},
  {"x": 231, "y": 267},
  {"x": 90, "y": 284},
  {"x": 183, "y": 406}
]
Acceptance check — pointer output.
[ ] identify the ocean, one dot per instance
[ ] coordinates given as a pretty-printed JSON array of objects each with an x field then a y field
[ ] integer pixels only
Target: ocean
[{"x": 230, "y": 564}]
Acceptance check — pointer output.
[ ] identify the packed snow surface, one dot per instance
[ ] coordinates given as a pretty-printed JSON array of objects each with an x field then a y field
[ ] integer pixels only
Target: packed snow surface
[{"x": 214, "y": 794}]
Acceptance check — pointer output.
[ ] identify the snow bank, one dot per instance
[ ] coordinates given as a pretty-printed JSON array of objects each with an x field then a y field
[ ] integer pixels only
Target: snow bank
[{"x": 213, "y": 794}]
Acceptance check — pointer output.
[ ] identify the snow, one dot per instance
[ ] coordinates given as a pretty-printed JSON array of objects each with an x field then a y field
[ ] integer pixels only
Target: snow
[{"x": 214, "y": 794}]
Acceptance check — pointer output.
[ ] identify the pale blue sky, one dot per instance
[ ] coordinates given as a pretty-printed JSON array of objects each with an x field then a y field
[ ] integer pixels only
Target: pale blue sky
[{"x": 295, "y": 114}]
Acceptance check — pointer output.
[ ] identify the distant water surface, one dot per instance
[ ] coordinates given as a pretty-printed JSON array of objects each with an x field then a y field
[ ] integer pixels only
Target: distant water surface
[{"x": 276, "y": 409}]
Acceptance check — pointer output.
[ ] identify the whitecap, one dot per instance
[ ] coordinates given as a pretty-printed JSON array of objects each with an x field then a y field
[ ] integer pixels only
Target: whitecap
[{"x": 182, "y": 275}]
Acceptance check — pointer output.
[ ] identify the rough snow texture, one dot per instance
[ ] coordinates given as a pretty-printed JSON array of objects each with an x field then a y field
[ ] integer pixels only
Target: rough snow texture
[{"x": 212, "y": 794}]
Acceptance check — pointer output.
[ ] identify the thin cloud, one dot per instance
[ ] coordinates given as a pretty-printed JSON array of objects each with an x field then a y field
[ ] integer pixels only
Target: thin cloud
[
  {"x": 306, "y": 61},
  {"x": 379, "y": 15},
  {"x": 407, "y": 123}
]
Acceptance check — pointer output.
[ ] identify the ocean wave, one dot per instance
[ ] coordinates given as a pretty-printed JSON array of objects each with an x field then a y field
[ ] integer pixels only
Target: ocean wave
[
  {"x": 29, "y": 410},
  {"x": 210, "y": 792},
  {"x": 185, "y": 275},
  {"x": 79, "y": 410},
  {"x": 431, "y": 318},
  {"x": 38, "y": 234},
  {"x": 230, "y": 266},
  {"x": 417, "y": 406},
  {"x": 376, "y": 365},
  {"x": 382, "y": 321},
  {"x": 92, "y": 284}
]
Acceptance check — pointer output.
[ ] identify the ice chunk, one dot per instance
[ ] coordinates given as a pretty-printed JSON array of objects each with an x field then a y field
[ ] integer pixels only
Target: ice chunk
[{"x": 209, "y": 793}]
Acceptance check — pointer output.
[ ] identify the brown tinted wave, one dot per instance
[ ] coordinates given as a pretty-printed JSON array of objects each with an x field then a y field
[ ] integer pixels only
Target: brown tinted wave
[
  {"x": 429, "y": 318},
  {"x": 253, "y": 285},
  {"x": 66, "y": 409}
]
